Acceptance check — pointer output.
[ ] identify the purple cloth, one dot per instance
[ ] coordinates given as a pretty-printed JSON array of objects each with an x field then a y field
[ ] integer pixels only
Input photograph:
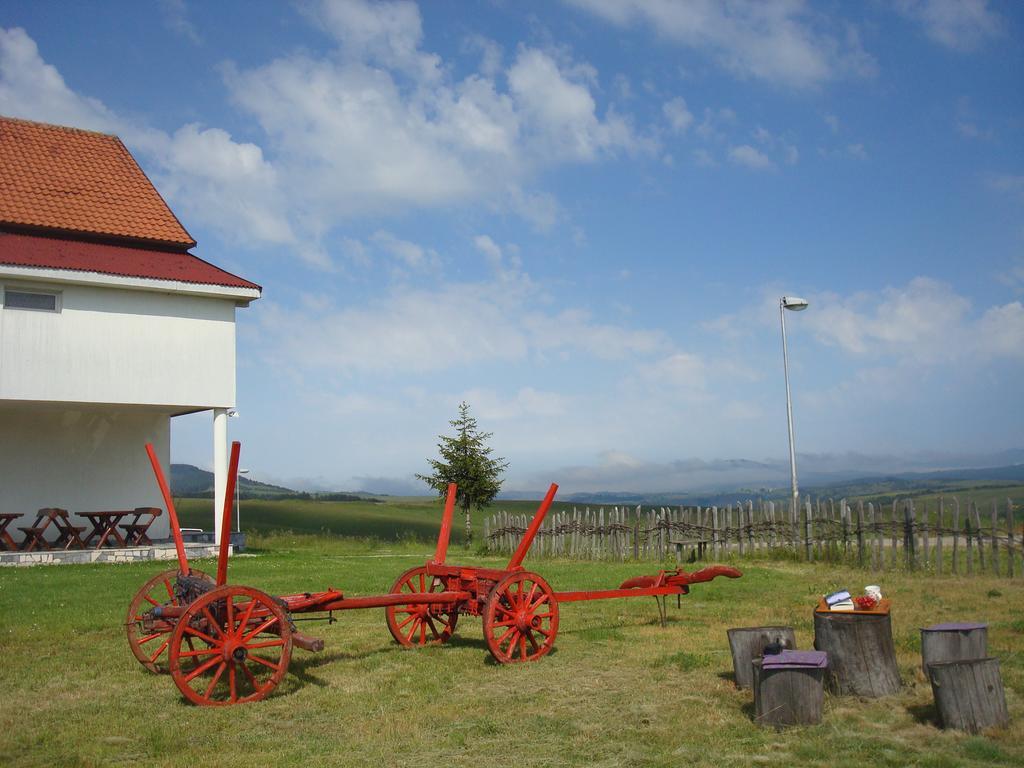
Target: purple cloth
[
  {"x": 954, "y": 627},
  {"x": 796, "y": 660}
]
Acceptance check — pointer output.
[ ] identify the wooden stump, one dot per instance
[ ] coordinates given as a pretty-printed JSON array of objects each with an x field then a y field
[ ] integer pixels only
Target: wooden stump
[
  {"x": 969, "y": 694},
  {"x": 861, "y": 654},
  {"x": 747, "y": 644},
  {"x": 792, "y": 696},
  {"x": 953, "y": 642}
]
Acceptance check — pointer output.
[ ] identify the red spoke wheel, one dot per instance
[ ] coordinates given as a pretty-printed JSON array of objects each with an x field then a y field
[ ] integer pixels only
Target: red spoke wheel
[
  {"x": 520, "y": 618},
  {"x": 420, "y": 623},
  {"x": 149, "y": 638},
  {"x": 232, "y": 645}
]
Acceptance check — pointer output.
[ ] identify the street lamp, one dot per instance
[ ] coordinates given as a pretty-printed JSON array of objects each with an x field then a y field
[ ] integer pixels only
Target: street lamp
[
  {"x": 793, "y": 304},
  {"x": 238, "y": 502}
]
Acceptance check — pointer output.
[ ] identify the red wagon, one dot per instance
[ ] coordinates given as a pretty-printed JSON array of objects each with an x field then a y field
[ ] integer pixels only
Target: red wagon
[{"x": 227, "y": 644}]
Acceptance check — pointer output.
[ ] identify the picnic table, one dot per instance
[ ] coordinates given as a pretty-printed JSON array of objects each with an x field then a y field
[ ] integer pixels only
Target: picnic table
[
  {"x": 105, "y": 527},
  {"x": 6, "y": 542},
  {"x": 68, "y": 535}
]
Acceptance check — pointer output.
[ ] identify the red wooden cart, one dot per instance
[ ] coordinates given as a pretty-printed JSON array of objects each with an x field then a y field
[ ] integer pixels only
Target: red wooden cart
[{"x": 227, "y": 644}]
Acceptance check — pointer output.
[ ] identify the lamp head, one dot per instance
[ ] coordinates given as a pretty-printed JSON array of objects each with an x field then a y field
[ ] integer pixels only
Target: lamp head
[{"x": 794, "y": 303}]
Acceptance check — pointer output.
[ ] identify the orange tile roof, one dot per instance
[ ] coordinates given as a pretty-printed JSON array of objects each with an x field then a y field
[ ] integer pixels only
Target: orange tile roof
[{"x": 74, "y": 181}]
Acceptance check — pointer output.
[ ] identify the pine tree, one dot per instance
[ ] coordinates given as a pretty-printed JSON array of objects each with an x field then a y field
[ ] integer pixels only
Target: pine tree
[{"x": 465, "y": 459}]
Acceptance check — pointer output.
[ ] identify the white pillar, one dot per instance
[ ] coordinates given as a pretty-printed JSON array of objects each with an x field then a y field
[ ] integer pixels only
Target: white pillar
[{"x": 220, "y": 466}]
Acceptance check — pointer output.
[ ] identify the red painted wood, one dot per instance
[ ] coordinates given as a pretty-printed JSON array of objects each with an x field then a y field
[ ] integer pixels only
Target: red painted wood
[
  {"x": 225, "y": 525},
  {"x": 531, "y": 532},
  {"x": 446, "y": 525},
  {"x": 172, "y": 514}
]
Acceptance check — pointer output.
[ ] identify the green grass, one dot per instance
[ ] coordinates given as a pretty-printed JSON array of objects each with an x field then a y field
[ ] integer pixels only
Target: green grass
[
  {"x": 618, "y": 689},
  {"x": 406, "y": 519}
]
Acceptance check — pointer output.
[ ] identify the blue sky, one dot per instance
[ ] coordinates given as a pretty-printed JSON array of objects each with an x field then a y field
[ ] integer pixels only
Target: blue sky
[{"x": 578, "y": 216}]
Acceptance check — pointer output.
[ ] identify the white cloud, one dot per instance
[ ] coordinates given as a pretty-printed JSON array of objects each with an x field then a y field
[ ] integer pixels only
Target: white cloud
[
  {"x": 704, "y": 159},
  {"x": 209, "y": 177},
  {"x": 1013, "y": 276},
  {"x": 34, "y": 90},
  {"x": 387, "y": 33},
  {"x": 958, "y": 24},
  {"x": 750, "y": 157},
  {"x": 421, "y": 330},
  {"x": 176, "y": 18},
  {"x": 784, "y": 43},
  {"x": 412, "y": 255},
  {"x": 924, "y": 322},
  {"x": 526, "y": 403},
  {"x": 679, "y": 117},
  {"x": 377, "y": 126},
  {"x": 563, "y": 111},
  {"x": 1001, "y": 331}
]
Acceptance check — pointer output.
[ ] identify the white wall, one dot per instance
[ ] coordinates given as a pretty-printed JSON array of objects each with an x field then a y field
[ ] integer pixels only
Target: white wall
[
  {"x": 112, "y": 345},
  {"x": 81, "y": 460}
]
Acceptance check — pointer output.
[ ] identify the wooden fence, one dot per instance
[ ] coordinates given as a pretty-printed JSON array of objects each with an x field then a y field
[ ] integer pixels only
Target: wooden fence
[{"x": 942, "y": 536}]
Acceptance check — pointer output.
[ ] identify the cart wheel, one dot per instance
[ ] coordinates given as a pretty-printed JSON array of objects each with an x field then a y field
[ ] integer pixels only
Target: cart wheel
[
  {"x": 520, "y": 618},
  {"x": 232, "y": 645},
  {"x": 423, "y": 623},
  {"x": 149, "y": 640}
]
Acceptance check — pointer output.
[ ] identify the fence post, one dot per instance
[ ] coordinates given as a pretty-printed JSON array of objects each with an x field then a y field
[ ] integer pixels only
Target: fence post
[
  {"x": 924, "y": 534},
  {"x": 941, "y": 531},
  {"x": 860, "y": 533},
  {"x": 807, "y": 531},
  {"x": 908, "y": 534},
  {"x": 979, "y": 535},
  {"x": 956, "y": 535},
  {"x": 1009, "y": 538},
  {"x": 995, "y": 540},
  {"x": 970, "y": 541}
]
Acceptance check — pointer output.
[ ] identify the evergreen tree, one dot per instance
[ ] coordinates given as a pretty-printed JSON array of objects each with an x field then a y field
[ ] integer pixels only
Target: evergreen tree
[{"x": 465, "y": 459}]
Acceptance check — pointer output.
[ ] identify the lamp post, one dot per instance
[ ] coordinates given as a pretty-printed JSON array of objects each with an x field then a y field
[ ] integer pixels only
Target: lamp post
[
  {"x": 238, "y": 500},
  {"x": 793, "y": 304}
]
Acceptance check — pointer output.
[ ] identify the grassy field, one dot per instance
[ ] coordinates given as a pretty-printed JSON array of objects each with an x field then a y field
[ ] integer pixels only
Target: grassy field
[
  {"x": 407, "y": 519},
  {"x": 419, "y": 519},
  {"x": 618, "y": 690}
]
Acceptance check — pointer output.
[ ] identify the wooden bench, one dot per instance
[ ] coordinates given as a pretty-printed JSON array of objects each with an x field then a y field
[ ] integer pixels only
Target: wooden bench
[
  {"x": 699, "y": 546},
  {"x": 6, "y": 541},
  {"x": 136, "y": 531},
  {"x": 68, "y": 536}
]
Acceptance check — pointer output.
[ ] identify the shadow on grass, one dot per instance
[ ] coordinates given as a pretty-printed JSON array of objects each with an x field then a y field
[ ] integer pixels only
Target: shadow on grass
[
  {"x": 750, "y": 710},
  {"x": 926, "y": 714},
  {"x": 728, "y": 676}
]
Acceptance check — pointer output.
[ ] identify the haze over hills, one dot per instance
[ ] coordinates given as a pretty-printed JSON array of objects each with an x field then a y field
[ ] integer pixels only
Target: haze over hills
[
  {"x": 692, "y": 481},
  {"x": 192, "y": 482}
]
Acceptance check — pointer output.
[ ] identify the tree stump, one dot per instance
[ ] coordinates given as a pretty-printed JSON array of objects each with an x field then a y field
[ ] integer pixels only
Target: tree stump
[
  {"x": 953, "y": 642},
  {"x": 861, "y": 654},
  {"x": 969, "y": 694},
  {"x": 789, "y": 694},
  {"x": 747, "y": 644}
]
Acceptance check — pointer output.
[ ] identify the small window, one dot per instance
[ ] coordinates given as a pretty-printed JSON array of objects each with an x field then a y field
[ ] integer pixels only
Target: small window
[{"x": 44, "y": 302}]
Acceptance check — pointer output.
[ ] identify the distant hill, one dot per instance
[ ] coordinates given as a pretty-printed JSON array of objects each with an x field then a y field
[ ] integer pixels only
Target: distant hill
[
  {"x": 195, "y": 483},
  {"x": 881, "y": 485}
]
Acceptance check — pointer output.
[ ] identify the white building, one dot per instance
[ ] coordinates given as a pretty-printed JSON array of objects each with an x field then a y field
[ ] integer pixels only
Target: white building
[{"x": 109, "y": 327}]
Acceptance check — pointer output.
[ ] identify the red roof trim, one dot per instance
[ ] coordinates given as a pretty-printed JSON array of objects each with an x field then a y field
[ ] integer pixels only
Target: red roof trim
[{"x": 74, "y": 255}]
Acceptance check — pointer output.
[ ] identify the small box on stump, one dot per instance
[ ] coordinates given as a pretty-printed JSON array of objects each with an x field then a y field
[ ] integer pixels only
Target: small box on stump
[
  {"x": 861, "y": 653},
  {"x": 748, "y": 643},
  {"x": 789, "y": 688},
  {"x": 953, "y": 642},
  {"x": 969, "y": 694}
]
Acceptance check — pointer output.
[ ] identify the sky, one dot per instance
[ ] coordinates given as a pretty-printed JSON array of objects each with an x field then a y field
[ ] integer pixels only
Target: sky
[{"x": 579, "y": 217}]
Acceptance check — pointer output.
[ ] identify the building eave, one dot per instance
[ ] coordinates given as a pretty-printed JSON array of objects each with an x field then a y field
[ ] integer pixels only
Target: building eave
[{"x": 242, "y": 296}]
